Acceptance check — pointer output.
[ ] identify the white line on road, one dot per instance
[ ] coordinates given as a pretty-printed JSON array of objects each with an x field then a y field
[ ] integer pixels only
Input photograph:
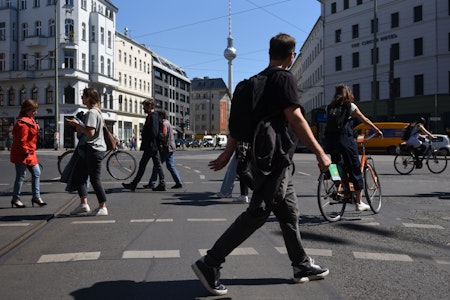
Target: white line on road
[
  {"x": 65, "y": 257},
  {"x": 152, "y": 254},
  {"x": 236, "y": 251},
  {"x": 206, "y": 220},
  {"x": 442, "y": 260},
  {"x": 382, "y": 256},
  {"x": 426, "y": 226},
  {"x": 14, "y": 224},
  {"x": 95, "y": 222},
  {"x": 309, "y": 251},
  {"x": 150, "y": 220}
]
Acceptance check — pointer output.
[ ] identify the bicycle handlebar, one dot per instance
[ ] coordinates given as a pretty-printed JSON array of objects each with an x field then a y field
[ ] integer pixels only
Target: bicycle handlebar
[{"x": 361, "y": 138}]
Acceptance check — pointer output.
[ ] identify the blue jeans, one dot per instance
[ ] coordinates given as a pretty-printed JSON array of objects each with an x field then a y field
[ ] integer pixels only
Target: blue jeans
[
  {"x": 166, "y": 157},
  {"x": 91, "y": 166},
  {"x": 35, "y": 172},
  {"x": 230, "y": 177}
]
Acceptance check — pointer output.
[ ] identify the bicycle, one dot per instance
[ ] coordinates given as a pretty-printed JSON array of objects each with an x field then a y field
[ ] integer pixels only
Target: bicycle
[
  {"x": 120, "y": 164},
  {"x": 333, "y": 196},
  {"x": 407, "y": 160}
]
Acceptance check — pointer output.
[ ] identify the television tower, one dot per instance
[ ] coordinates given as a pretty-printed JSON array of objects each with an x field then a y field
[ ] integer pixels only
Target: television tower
[{"x": 230, "y": 52}]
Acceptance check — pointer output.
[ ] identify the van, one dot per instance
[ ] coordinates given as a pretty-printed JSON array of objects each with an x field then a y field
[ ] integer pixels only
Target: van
[
  {"x": 392, "y": 136},
  {"x": 208, "y": 141},
  {"x": 221, "y": 140}
]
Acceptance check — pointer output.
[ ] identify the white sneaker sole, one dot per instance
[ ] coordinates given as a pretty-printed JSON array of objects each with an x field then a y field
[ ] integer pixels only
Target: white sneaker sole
[
  {"x": 312, "y": 277},
  {"x": 205, "y": 283}
]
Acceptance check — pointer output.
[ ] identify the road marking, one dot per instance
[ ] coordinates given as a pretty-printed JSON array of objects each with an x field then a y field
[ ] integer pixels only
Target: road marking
[
  {"x": 151, "y": 254},
  {"x": 150, "y": 220},
  {"x": 95, "y": 222},
  {"x": 187, "y": 167},
  {"x": 426, "y": 226},
  {"x": 382, "y": 256},
  {"x": 442, "y": 260},
  {"x": 14, "y": 224},
  {"x": 303, "y": 173},
  {"x": 309, "y": 251},
  {"x": 202, "y": 177},
  {"x": 197, "y": 171},
  {"x": 206, "y": 220},
  {"x": 236, "y": 251},
  {"x": 65, "y": 257}
]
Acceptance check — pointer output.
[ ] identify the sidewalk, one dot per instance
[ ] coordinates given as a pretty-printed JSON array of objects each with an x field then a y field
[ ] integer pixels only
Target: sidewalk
[{"x": 17, "y": 224}]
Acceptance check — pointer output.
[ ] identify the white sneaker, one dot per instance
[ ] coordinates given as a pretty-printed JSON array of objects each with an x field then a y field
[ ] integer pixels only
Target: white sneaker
[
  {"x": 82, "y": 209},
  {"x": 361, "y": 206},
  {"x": 220, "y": 195},
  {"x": 99, "y": 212},
  {"x": 241, "y": 199}
]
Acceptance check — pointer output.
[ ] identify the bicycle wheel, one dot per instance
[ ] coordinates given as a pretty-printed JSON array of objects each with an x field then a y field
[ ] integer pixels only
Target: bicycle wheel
[
  {"x": 404, "y": 164},
  {"x": 372, "y": 188},
  {"x": 121, "y": 165},
  {"x": 437, "y": 162},
  {"x": 331, "y": 205},
  {"x": 63, "y": 160}
]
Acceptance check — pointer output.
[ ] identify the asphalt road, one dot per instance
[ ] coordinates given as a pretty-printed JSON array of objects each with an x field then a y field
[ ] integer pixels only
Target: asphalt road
[{"x": 144, "y": 248}]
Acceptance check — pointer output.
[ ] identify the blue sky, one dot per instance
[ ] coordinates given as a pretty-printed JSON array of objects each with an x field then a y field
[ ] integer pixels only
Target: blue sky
[{"x": 193, "y": 34}]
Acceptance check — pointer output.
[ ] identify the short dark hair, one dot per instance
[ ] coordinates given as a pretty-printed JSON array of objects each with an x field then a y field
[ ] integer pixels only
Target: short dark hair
[
  {"x": 163, "y": 113},
  {"x": 281, "y": 46},
  {"x": 149, "y": 102}
]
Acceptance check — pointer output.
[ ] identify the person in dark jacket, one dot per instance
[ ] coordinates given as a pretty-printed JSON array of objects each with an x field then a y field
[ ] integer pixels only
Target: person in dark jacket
[
  {"x": 23, "y": 153},
  {"x": 149, "y": 145}
]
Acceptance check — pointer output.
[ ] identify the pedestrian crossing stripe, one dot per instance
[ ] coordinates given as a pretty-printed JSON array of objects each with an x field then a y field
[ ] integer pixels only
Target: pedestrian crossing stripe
[
  {"x": 382, "y": 256},
  {"x": 151, "y": 254},
  {"x": 309, "y": 251},
  {"x": 425, "y": 226},
  {"x": 66, "y": 257}
]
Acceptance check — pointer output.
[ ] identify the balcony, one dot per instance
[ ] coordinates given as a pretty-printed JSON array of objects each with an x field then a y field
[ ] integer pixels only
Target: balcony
[{"x": 36, "y": 41}]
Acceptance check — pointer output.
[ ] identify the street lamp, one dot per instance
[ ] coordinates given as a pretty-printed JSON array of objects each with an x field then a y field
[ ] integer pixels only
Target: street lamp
[{"x": 56, "y": 137}]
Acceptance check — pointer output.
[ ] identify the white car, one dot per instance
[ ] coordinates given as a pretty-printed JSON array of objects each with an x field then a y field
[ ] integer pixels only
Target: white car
[{"x": 442, "y": 142}]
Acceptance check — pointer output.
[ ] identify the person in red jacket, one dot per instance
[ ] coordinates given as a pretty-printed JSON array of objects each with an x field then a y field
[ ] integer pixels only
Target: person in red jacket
[{"x": 23, "y": 153}]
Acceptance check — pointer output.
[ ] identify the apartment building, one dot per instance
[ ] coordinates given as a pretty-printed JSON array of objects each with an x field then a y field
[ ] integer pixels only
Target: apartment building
[
  {"x": 406, "y": 76},
  {"x": 210, "y": 106},
  {"x": 50, "y": 52}
]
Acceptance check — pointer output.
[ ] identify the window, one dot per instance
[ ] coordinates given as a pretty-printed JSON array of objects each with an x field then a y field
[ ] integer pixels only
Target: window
[
  {"x": 83, "y": 62},
  {"x": 355, "y": 31},
  {"x": 1, "y": 97},
  {"x": 125, "y": 58},
  {"x": 102, "y": 65},
  {"x": 418, "y": 13},
  {"x": 51, "y": 27},
  {"x": 34, "y": 94},
  {"x": 83, "y": 31},
  {"x": 109, "y": 39},
  {"x": 338, "y": 63},
  {"x": 337, "y": 36},
  {"x": 418, "y": 85},
  {"x": 355, "y": 59},
  {"x": 24, "y": 61},
  {"x": 2, "y": 62},
  {"x": 83, "y": 4},
  {"x": 93, "y": 69},
  {"x": 36, "y": 3},
  {"x": 12, "y": 97},
  {"x": 395, "y": 48},
  {"x": 37, "y": 61},
  {"x": 102, "y": 35},
  {"x": 373, "y": 26},
  {"x": 356, "y": 91},
  {"x": 69, "y": 58},
  {"x": 359, "y": 2},
  {"x": 395, "y": 20},
  {"x": 69, "y": 29},
  {"x": 51, "y": 59},
  {"x": 69, "y": 2},
  {"x": 49, "y": 95},
  {"x": 23, "y": 4},
  {"x": 108, "y": 67},
  {"x": 120, "y": 55},
  {"x": 345, "y": 4},
  {"x": 24, "y": 30},
  {"x": 418, "y": 47},
  {"x": 93, "y": 33},
  {"x": 23, "y": 95},
  {"x": 333, "y": 7},
  {"x": 38, "y": 28},
  {"x": 120, "y": 78},
  {"x": 2, "y": 31},
  {"x": 129, "y": 60}
]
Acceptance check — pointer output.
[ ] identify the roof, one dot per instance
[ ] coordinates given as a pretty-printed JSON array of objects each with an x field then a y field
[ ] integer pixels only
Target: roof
[{"x": 206, "y": 83}]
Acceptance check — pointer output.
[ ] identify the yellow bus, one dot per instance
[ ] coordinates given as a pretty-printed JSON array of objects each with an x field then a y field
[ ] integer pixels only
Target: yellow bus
[{"x": 392, "y": 132}]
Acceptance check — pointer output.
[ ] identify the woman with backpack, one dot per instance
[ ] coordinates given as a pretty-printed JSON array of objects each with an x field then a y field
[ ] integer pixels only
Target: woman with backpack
[{"x": 339, "y": 140}]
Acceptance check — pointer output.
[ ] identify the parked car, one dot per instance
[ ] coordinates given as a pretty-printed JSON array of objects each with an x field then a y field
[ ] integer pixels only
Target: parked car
[
  {"x": 180, "y": 143},
  {"x": 197, "y": 144},
  {"x": 208, "y": 141},
  {"x": 442, "y": 143},
  {"x": 189, "y": 142}
]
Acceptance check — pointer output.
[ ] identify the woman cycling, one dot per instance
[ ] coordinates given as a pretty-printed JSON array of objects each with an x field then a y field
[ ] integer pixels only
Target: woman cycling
[{"x": 339, "y": 140}]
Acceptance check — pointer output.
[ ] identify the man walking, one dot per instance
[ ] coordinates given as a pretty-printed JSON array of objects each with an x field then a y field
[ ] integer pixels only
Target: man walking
[
  {"x": 274, "y": 192},
  {"x": 150, "y": 146}
]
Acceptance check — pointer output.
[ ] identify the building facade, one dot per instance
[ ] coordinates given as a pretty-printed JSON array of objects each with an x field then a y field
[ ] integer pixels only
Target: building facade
[
  {"x": 408, "y": 73},
  {"x": 210, "y": 106},
  {"x": 50, "y": 52}
]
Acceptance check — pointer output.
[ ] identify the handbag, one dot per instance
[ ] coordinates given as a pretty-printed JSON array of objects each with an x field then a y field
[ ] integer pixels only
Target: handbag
[{"x": 110, "y": 140}]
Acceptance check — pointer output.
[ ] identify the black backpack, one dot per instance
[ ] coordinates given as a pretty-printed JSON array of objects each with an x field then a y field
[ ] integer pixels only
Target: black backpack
[
  {"x": 406, "y": 132},
  {"x": 248, "y": 93},
  {"x": 337, "y": 117}
]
